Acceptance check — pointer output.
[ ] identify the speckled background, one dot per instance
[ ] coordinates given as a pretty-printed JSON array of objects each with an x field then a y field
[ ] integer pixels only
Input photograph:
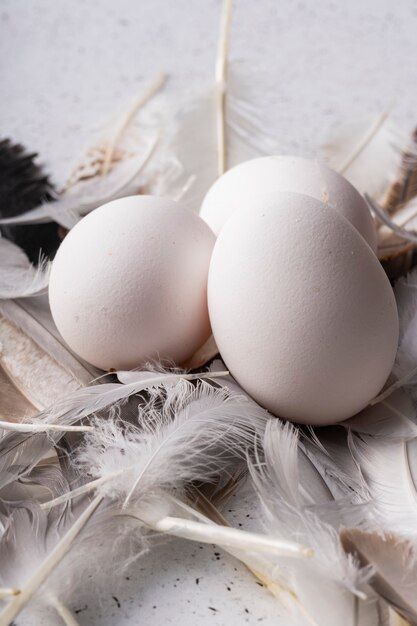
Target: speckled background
[{"x": 67, "y": 67}]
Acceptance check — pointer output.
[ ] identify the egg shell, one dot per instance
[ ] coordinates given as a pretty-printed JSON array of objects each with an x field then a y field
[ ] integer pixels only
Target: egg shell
[
  {"x": 129, "y": 283},
  {"x": 253, "y": 182},
  {"x": 301, "y": 310}
]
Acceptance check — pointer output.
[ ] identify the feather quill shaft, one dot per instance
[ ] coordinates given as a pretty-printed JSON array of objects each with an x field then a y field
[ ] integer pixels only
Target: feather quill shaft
[
  {"x": 64, "y": 613},
  {"x": 230, "y": 537},
  {"x": 42, "y": 428},
  {"x": 364, "y": 142},
  {"x": 380, "y": 213},
  {"x": 6, "y": 592},
  {"x": 221, "y": 88}
]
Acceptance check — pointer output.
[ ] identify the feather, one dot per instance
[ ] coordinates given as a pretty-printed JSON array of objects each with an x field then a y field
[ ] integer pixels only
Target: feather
[
  {"x": 31, "y": 582},
  {"x": 193, "y": 434},
  {"x": 19, "y": 453},
  {"x": 177, "y": 146},
  {"x": 95, "y": 398},
  {"x": 23, "y": 186},
  {"x": 36, "y": 368},
  {"x": 401, "y": 232},
  {"x": 140, "y": 467},
  {"x": 68, "y": 209},
  {"x": 369, "y": 155},
  {"x": 216, "y": 425},
  {"x": 192, "y": 148},
  {"x": 328, "y": 451},
  {"x": 18, "y": 277},
  {"x": 117, "y": 142},
  {"x": 288, "y": 512},
  {"x": 390, "y": 419},
  {"x": 30, "y": 340},
  {"x": 394, "y": 564},
  {"x": 390, "y": 472}
]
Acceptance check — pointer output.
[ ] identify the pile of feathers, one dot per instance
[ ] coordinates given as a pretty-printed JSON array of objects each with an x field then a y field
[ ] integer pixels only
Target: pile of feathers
[{"x": 104, "y": 464}]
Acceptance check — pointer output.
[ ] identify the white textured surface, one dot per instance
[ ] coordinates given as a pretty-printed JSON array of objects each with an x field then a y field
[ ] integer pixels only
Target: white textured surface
[{"x": 67, "y": 67}]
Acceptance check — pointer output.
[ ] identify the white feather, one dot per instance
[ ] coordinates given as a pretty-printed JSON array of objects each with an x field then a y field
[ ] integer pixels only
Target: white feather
[
  {"x": 192, "y": 148},
  {"x": 196, "y": 433},
  {"x": 368, "y": 154},
  {"x": 390, "y": 471},
  {"x": 288, "y": 513},
  {"x": 46, "y": 550},
  {"x": 391, "y": 419},
  {"x": 18, "y": 277}
]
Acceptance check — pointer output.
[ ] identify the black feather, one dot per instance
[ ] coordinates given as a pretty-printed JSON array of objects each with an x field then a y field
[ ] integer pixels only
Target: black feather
[{"x": 24, "y": 186}]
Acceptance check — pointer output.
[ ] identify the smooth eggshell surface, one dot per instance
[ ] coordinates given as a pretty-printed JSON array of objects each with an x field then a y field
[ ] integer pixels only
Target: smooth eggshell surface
[
  {"x": 302, "y": 311},
  {"x": 129, "y": 283},
  {"x": 253, "y": 182}
]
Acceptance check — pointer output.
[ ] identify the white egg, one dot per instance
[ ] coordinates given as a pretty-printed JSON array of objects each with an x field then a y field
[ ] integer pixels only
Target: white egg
[
  {"x": 259, "y": 181},
  {"x": 129, "y": 283},
  {"x": 301, "y": 310}
]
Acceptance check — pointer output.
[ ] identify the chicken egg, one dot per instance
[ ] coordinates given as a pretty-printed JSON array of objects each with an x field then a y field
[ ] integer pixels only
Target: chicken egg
[
  {"x": 129, "y": 283},
  {"x": 301, "y": 309},
  {"x": 252, "y": 183}
]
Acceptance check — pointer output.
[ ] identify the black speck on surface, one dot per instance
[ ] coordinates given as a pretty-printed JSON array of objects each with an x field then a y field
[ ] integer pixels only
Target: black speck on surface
[
  {"x": 213, "y": 609},
  {"x": 197, "y": 581},
  {"x": 77, "y": 611},
  {"x": 117, "y": 601}
]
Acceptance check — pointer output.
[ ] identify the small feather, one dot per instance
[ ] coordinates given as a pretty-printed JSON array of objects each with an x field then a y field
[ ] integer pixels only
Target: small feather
[
  {"x": 18, "y": 277},
  {"x": 195, "y": 434}
]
